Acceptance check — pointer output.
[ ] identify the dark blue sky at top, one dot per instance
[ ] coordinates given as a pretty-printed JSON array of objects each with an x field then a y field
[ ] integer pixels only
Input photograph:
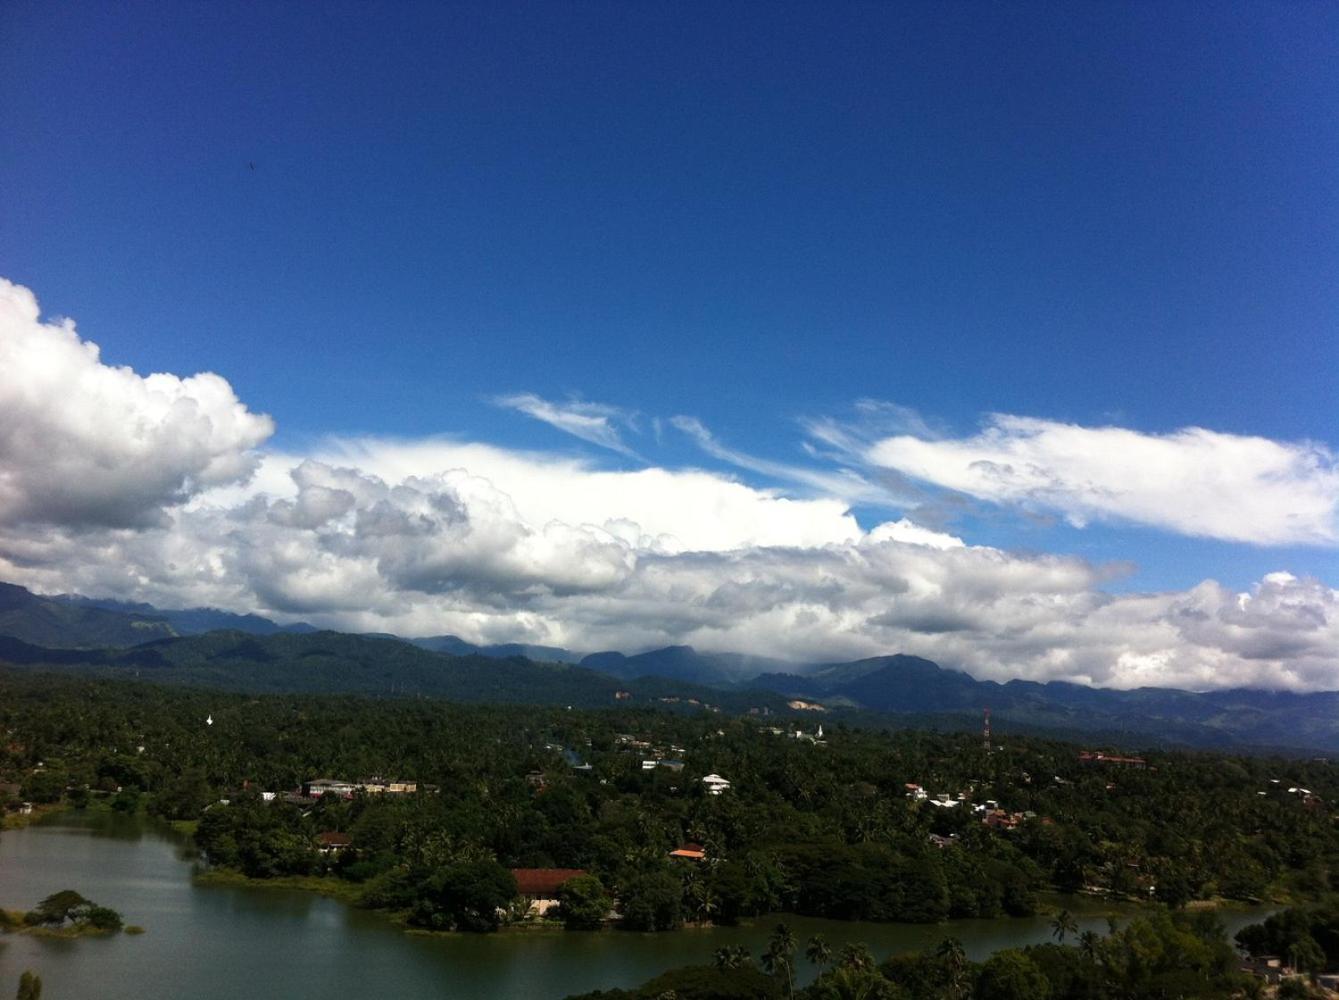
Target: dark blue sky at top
[{"x": 750, "y": 213}]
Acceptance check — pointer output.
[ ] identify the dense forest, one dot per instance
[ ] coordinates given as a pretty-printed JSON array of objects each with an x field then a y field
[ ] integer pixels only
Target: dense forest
[{"x": 826, "y": 826}]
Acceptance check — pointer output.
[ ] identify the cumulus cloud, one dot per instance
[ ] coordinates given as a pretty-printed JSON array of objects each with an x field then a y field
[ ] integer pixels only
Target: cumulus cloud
[
  {"x": 592, "y": 422},
  {"x": 672, "y": 510},
  {"x": 85, "y": 443},
  {"x": 450, "y": 552},
  {"x": 149, "y": 488},
  {"x": 1192, "y": 481}
]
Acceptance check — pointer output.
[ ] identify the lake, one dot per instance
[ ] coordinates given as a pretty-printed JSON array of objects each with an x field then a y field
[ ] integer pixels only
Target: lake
[{"x": 218, "y": 943}]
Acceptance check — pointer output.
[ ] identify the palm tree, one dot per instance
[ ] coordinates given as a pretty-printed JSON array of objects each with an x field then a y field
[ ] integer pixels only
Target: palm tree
[
  {"x": 950, "y": 952},
  {"x": 1063, "y": 925},
  {"x": 845, "y": 983},
  {"x": 856, "y": 957},
  {"x": 778, "y": 956},
  {"x": 1088, "y": 945},
  {"x": 819, "y": 952},
  {"x": 732, "y": 957}
]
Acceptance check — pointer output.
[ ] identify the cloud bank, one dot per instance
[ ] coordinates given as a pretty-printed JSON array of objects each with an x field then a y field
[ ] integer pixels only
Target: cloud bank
[{"x": 151, "y": 488}]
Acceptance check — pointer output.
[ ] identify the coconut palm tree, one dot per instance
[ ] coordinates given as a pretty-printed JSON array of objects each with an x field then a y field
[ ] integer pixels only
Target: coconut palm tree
[
  {"x": 733, "y": 957},
  {"x": 1063, "y": 925},
  {"x": 954, "y": 959},
  {"x": 1088, "y": 945},
  {"x": 819, "y": 952},
  {"x": 856, "y": 956},
  {"x": 777, "y": 957}
]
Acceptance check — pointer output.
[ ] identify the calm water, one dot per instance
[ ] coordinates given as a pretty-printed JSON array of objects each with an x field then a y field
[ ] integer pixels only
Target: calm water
[{"x": 261, "y": 944}]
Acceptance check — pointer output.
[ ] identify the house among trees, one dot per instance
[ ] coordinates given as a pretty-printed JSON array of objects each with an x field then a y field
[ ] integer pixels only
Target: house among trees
[
  {"x": 331, "y": 842},
  {"x": 317, "y": 787},
  {"x": 1091, "y": 757},
  {"x": 689, "y": 852},
  {"x": 345, "y": 789},
  {"x": 539, "y": 886},
  {"x": 715, "y": 784}
]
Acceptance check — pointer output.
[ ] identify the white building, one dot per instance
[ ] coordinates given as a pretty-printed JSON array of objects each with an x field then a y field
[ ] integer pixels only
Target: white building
[{"x": 715, "y": 784}]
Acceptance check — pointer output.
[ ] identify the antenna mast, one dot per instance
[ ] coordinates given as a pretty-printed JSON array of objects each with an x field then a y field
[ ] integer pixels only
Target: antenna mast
[{"x": 985, "y": 731}]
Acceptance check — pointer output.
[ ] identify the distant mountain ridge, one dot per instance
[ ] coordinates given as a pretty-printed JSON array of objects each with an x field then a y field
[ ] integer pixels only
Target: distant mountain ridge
[
  {"x": 902, "y": 684},
  {"x": 459, "y": 647},
  {"x": 188, "y": 621},
  {"x": 46, "y": 621},
  {"x": 110, "y": 638},
  {"x": 682, "y": 663}
]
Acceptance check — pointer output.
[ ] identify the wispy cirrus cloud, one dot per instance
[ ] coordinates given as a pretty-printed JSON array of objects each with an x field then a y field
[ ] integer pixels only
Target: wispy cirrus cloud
[
  {"x": 845, "y": 483},
  {"x": 596, "y": 423}
]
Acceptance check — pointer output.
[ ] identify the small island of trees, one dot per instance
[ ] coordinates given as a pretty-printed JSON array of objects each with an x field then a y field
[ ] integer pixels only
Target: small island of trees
[{"x": 65, "y": 913}]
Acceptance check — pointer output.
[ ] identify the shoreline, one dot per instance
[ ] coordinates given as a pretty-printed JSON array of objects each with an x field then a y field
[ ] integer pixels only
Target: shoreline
[{"x": 1050, "y": 903}]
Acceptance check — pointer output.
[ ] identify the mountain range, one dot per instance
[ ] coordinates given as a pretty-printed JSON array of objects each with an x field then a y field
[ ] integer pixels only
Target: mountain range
[{"x": 247, "y": 652}]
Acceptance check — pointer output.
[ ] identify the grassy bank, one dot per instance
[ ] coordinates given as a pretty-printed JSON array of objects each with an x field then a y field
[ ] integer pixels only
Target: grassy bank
[
  {"x": 17, "y": 821},
  {"x": 345, "y": 892}
]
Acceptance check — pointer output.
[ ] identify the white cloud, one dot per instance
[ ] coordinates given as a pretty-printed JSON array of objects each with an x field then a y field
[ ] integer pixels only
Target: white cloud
[
  {"x": 138, "y": 488},
  {"x": 451, "y": 552},
  {"x": 844, "y": 483},
  {"x": 676, "y": 510},
  {"x": 1193, "y": 481},
  {"x": 593, "y": 422},
  {"x": 85, "y": 443}
]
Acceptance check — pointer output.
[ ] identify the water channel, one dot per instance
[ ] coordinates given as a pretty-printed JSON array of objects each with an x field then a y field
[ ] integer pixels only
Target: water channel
[{"x": 215, "y": 943}]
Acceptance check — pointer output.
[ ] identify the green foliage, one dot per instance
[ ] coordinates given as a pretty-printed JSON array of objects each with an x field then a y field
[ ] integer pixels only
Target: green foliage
[
  {"x": 652, "y": 901},
  {"x": 46, "y": 785},
  {"x": 1012, "y": 975},
  {"x": 583, "y": 903},
  {"x": 706, "y": 982},
  {"x": 1306, "y": 936},
  {"x": 58, "y": 908},
  {"x": 815, "y": 830},
  {"x": 69, "y": 907},
  {"x": 847, "y": 983},
  {"x": 1294, "y": 989},
  {"x": 466, "y": 896}
]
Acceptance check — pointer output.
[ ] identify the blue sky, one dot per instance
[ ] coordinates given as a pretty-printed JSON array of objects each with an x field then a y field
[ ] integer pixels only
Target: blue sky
[{"x": 380, "y": 220}]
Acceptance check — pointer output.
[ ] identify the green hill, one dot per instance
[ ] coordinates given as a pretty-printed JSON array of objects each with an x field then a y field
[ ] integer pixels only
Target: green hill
[{"x": 48, "y": 621}]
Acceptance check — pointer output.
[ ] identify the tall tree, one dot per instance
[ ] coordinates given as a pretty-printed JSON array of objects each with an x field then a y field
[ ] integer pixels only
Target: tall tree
[
  {"x": 779, "y": 956},
  {"x": 1063, "y": 925},
  {"x": 819, "y": 952}
]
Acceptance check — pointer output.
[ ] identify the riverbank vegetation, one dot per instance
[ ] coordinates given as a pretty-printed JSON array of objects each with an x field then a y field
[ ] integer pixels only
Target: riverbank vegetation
[
  {"x": 1159, "y": 955},
  {"x": 853, "y": 824}
]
